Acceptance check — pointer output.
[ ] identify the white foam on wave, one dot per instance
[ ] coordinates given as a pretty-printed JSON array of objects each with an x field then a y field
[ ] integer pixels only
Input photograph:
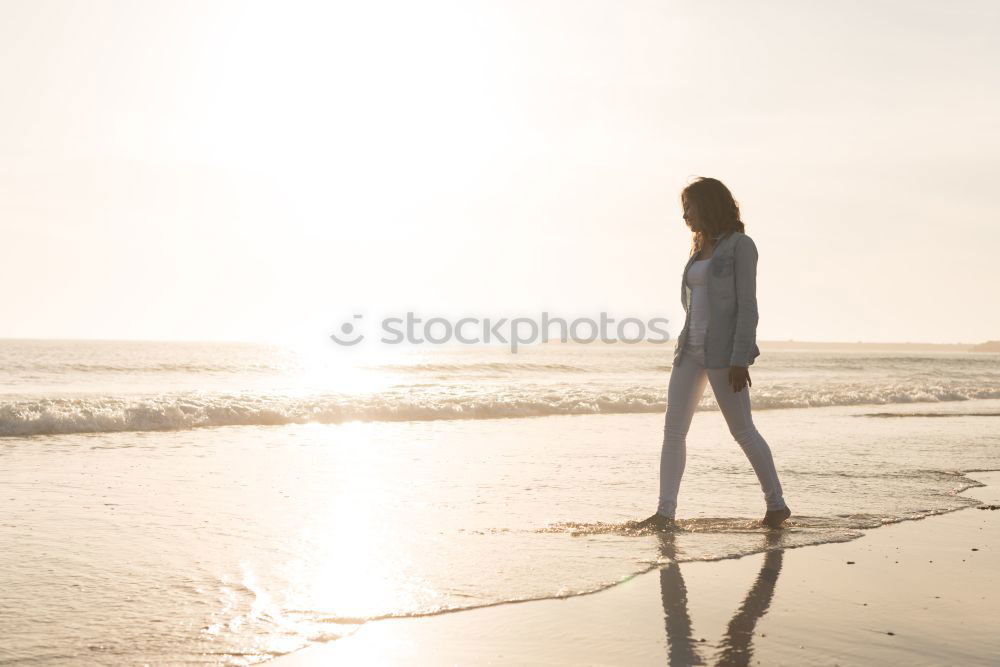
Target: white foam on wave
[{"x": 436, "y": 402}]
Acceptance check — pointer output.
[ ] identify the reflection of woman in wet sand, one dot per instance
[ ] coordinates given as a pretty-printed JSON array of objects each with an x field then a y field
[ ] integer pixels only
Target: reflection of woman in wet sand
[
  {"x": 737, "y": 645},
  {"x": 716, "y": 345}
]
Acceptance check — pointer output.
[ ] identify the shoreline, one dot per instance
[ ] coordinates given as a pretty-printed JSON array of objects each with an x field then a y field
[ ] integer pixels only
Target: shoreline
[{"x": 899, "y": 593}]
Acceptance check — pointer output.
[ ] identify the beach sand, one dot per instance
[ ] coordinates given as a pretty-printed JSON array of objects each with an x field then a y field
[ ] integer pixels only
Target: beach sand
[{"x": 924, "y": 592}]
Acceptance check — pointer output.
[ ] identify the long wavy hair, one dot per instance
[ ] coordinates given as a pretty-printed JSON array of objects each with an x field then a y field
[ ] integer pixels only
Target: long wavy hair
[{"x": 718, "y": 211}]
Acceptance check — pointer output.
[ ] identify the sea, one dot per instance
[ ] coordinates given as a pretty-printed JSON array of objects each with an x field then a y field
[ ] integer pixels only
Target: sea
[{"x": 227, "y": 503}]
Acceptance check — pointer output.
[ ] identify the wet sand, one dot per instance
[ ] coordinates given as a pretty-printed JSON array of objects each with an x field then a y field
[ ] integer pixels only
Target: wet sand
[{"x": 923, "y": 592}]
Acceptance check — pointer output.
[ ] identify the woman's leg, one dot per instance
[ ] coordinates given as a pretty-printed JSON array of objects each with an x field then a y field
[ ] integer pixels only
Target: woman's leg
[
  {"x": 735, "y": 406},
  {"x": 687, "y": 384}
]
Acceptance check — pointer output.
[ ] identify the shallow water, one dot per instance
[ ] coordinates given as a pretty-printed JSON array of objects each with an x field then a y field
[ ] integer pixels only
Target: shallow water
[{"x": 237, "y": 543}]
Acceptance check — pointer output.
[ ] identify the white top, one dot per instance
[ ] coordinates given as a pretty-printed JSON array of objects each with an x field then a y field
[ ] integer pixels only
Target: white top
[{"x": 697, "y": 280}]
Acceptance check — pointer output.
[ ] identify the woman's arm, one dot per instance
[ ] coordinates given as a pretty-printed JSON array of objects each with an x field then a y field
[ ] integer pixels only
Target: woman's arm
[{"x": 745, "y": 268}]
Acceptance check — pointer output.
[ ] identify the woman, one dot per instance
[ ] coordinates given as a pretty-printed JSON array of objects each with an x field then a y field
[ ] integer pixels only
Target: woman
[{"x": 717, "y": 345}]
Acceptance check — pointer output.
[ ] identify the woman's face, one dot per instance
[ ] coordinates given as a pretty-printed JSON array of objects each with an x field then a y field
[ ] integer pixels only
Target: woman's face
[{"x": 691, "y": 216}]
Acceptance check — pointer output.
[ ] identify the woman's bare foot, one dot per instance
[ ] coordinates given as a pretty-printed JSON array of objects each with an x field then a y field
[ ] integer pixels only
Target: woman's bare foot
[
  {"x": 655, "y": 522},
  {"x": 774, "y": 518}
]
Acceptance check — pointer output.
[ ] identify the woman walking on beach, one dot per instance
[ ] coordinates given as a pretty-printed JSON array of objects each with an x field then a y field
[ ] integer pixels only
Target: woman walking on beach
[{"x": 717, "y": 345}]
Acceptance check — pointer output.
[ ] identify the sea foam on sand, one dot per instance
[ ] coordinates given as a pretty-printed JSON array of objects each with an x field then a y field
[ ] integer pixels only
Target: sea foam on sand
[{"x": 923, "y": 592}]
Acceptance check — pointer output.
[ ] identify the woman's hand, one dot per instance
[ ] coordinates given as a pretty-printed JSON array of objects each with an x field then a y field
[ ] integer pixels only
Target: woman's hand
[{"x": 739, "y": 377}]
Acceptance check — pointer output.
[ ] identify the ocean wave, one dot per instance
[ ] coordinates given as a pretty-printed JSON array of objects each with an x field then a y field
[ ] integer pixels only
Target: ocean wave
[
  {"x": 105, "y": 415},
  {"x": 930, "y": 414},
  {"x": 61, "y": 368},
  {"x": 54, "y": 416},
  {"x": 496, "y": 366}
]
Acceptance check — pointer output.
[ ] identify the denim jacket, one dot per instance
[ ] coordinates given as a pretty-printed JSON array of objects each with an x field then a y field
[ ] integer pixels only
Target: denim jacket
[{"x": 732, "y": 296}]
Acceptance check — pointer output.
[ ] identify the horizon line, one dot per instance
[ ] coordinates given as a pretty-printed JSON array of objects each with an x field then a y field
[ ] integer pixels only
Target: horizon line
[{"x": 324, "y": 338}]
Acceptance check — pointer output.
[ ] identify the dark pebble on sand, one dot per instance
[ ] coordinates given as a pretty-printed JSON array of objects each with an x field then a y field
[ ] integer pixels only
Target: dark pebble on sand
[
  {"x": 974, "y": 549},
  {"x": 891, "y": 633},
  {"x": 850, "y": 562}
]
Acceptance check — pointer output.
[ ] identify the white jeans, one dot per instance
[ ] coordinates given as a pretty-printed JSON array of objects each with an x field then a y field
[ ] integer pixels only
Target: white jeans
[{"x": 687, "y": 384}]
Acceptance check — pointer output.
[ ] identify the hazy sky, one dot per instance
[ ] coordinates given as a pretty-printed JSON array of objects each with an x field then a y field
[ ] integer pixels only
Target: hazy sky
[{"x": 260, "y": 169}]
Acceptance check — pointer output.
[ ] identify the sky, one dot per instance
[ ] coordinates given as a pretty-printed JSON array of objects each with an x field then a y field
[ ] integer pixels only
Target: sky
[{"x": 263, "y": 170}]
